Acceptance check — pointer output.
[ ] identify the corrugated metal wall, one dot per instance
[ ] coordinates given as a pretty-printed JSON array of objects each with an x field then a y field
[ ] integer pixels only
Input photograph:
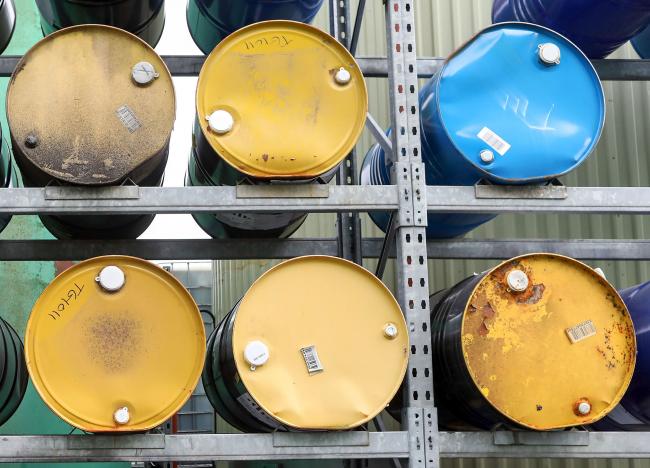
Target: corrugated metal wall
[{"x": 620, "y": 160}]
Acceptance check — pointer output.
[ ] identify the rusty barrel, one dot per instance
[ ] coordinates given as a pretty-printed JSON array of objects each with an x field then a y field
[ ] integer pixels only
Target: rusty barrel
[
  {"x": 282, "y": 360},
  {"x": 277, "y": 103},
  {"x": 540, "y": 342},
  {"x": 91, "y": 106},
  {"x": 144, "y": 18},
  {"x": 115, "y": 344}
]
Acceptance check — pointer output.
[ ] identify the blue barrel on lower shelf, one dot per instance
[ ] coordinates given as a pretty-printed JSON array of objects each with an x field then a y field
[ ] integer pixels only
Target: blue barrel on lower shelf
[
  {"x": 517, "y": 104},
  {"x": 633, "y": 413},
  {"x": 598, "y": 27},
  {"x": 210, "y": 21}
]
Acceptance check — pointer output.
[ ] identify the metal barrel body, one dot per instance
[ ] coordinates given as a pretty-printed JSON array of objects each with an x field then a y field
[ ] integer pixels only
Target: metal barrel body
[
  {"x": 144, "y": 18},
  {"x": 598, "y": 27},
  {"x": 641, "y": 43},
  {"x": 540, "y": 342},
  {"x": 276, "y": 102},
  {"x": 517, "y": 104},
  {"x": 108, "y": 123},
  {"x": 336, "y": 369},
  {"x": 7, "y": 22},
  {"x": 633, "y": 413},
  {"x": 211, "y": 21},
  {"x": 7, "y": 175},
  {"x": 115, "y": 344},
  {"x": 13, "y": 371}
]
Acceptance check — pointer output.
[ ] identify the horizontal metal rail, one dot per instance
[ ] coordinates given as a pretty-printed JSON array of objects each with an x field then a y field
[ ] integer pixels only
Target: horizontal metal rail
[
  {"x": 151, "y": 200},
  {"x": 203, "y": 447},
  {"x": 377, "y": 67},
  {"x": 213, "y": 249},
  {"x": 562, "y": 444}
]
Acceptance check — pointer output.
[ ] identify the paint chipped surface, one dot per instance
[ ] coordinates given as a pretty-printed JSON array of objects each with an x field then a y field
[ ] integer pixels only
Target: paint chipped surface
[{"x": 519, "y": 356}]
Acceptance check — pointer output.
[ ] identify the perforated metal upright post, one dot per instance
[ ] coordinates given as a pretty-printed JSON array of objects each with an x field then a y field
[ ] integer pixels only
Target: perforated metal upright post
[{"x": 419, "y": 416}]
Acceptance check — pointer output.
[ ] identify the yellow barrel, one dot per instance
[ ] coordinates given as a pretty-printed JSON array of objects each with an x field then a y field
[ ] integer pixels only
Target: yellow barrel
[
  {"x": 541, "y": 341},
  {"x": 277, "y": 100},
  {"x": 91, "y": 106},
  {"x": 115, "y": 344},
  {"x": 316, "y": 343}
]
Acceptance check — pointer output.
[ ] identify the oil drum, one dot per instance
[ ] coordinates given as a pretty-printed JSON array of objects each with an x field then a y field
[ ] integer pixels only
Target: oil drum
[
  {"x": 276, "y": 102},
  {"x": 91, "y": 106},
  {"x": 13, "y": 371},
  {"x": 641, "y": 43},
  {"x": 633, "y": 413},
  {"x": 144, "y": 18},
  {"x": 7, "y": 22},
  {"x": 517, "y": 104},
  {"x": 210, "y": 21},
  {"x": 540, "y": 342},
  {"x": 7, "y": 175},
  {"x": 598, "y": 27},
  {"x": 283, "y": 360},
  {"x": 115, "y": 344}
]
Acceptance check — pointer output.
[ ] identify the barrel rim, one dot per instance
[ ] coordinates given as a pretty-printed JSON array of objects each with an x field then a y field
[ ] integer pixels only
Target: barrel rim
[
  {"x": 331, "y": 43},
  {"x": 604, "y": 282},
  {"x": 524, "y": 25},
  {"x": 155, "y": 419}
]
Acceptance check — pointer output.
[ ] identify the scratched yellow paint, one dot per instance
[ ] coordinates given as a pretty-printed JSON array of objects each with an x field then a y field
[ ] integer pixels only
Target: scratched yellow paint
[
  {"x": 342, "y": 310},
  {"x": 519, "y": 355},
  {"x": 90, "y": 352},
  {"x": 292, "y": 120}
]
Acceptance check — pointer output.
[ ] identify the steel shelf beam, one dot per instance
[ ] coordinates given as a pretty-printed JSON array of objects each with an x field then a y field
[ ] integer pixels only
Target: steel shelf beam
[
  {"x": 203, "y": 447},
  {"x": 377, "y": 67}
]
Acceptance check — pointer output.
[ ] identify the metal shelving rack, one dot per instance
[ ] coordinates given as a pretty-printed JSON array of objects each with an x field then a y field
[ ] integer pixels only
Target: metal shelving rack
[{"x": 409, "y": 200}]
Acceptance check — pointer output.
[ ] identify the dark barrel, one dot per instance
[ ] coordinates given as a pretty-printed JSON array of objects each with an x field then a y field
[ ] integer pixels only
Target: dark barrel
[
  {"x": 211, "y": 21},
  {"x": 7, "y": 22},
  {"x": 517, "y": 104},
  {"x": 282, "y": 360},
  {"x": 633, "y": 413},
  {"x": 598, "y": 27},
  {"x": 7, "y": 175},
  {"x": 641, "y": 43},
  {"x": 103, "y": 119},
  {"x": 13, "y": 371},
  {"x": 277, "y": 102},
  {"x": 539, "y": 342},
  {"x": 144, "y": 18}
]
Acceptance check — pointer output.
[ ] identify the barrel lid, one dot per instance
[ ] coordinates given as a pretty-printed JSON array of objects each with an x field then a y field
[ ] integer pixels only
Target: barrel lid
[
  {"x": 329, "y": 363},
  {"x": 559, "y": 352},
  {"x": 288, "y": 116},
  {"x": 91, "y": 123},
  {"x": 526, "y": 94},
  {"x": 93, "y": 352}
]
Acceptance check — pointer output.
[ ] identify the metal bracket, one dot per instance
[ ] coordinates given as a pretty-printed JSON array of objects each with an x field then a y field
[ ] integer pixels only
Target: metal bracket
[
  {"x": 431, "y": 436},
  {"x": 104, "y": 442},
  {"x": 321, "y": 439},
  {"x": 566, "y": 438},
  {"x": 124, "y": 192},
  {"x": 379, "y": 134},
  {"x": 389, "y": 241},
  {"x": 554, "y": 190},
  {"x": 283, "y": 191}
]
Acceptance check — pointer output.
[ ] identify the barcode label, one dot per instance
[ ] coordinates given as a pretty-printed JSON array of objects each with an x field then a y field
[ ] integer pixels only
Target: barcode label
[
  {"x": 311, "y": 359},
  {"x": 497, "y": 143},
  {"x": 581, "y": 331},
  {"x": 128, "y": 118}
]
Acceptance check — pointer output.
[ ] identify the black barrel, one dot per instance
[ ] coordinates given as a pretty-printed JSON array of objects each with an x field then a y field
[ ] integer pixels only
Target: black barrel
[
  {"x": 13, "y": 371},
  {"x": 7, "y": 22},
  {"x": 91, "y": 116},
  {"x": 144, "y": 18},
  {"x": 539, "y": 342},
  {"x": 282, "y": 360}
]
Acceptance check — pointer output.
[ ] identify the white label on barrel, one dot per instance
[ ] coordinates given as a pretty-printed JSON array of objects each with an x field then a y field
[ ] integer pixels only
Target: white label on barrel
[
  {"x": 497, "y": 143},
  {"x": 311, "y": 359},
  {"x": 128, "y": 118},
  {"x": 581, "y": 331}
]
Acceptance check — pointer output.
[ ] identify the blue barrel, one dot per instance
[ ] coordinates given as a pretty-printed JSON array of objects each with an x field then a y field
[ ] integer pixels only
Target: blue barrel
[
  {"x": 210, "y": 21},
  {"x": 598, "y": 27},
  {"x": 634, "y": 410},
  {"x": 502, "y": 109},
  {"x": 641, "y": 43}
]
